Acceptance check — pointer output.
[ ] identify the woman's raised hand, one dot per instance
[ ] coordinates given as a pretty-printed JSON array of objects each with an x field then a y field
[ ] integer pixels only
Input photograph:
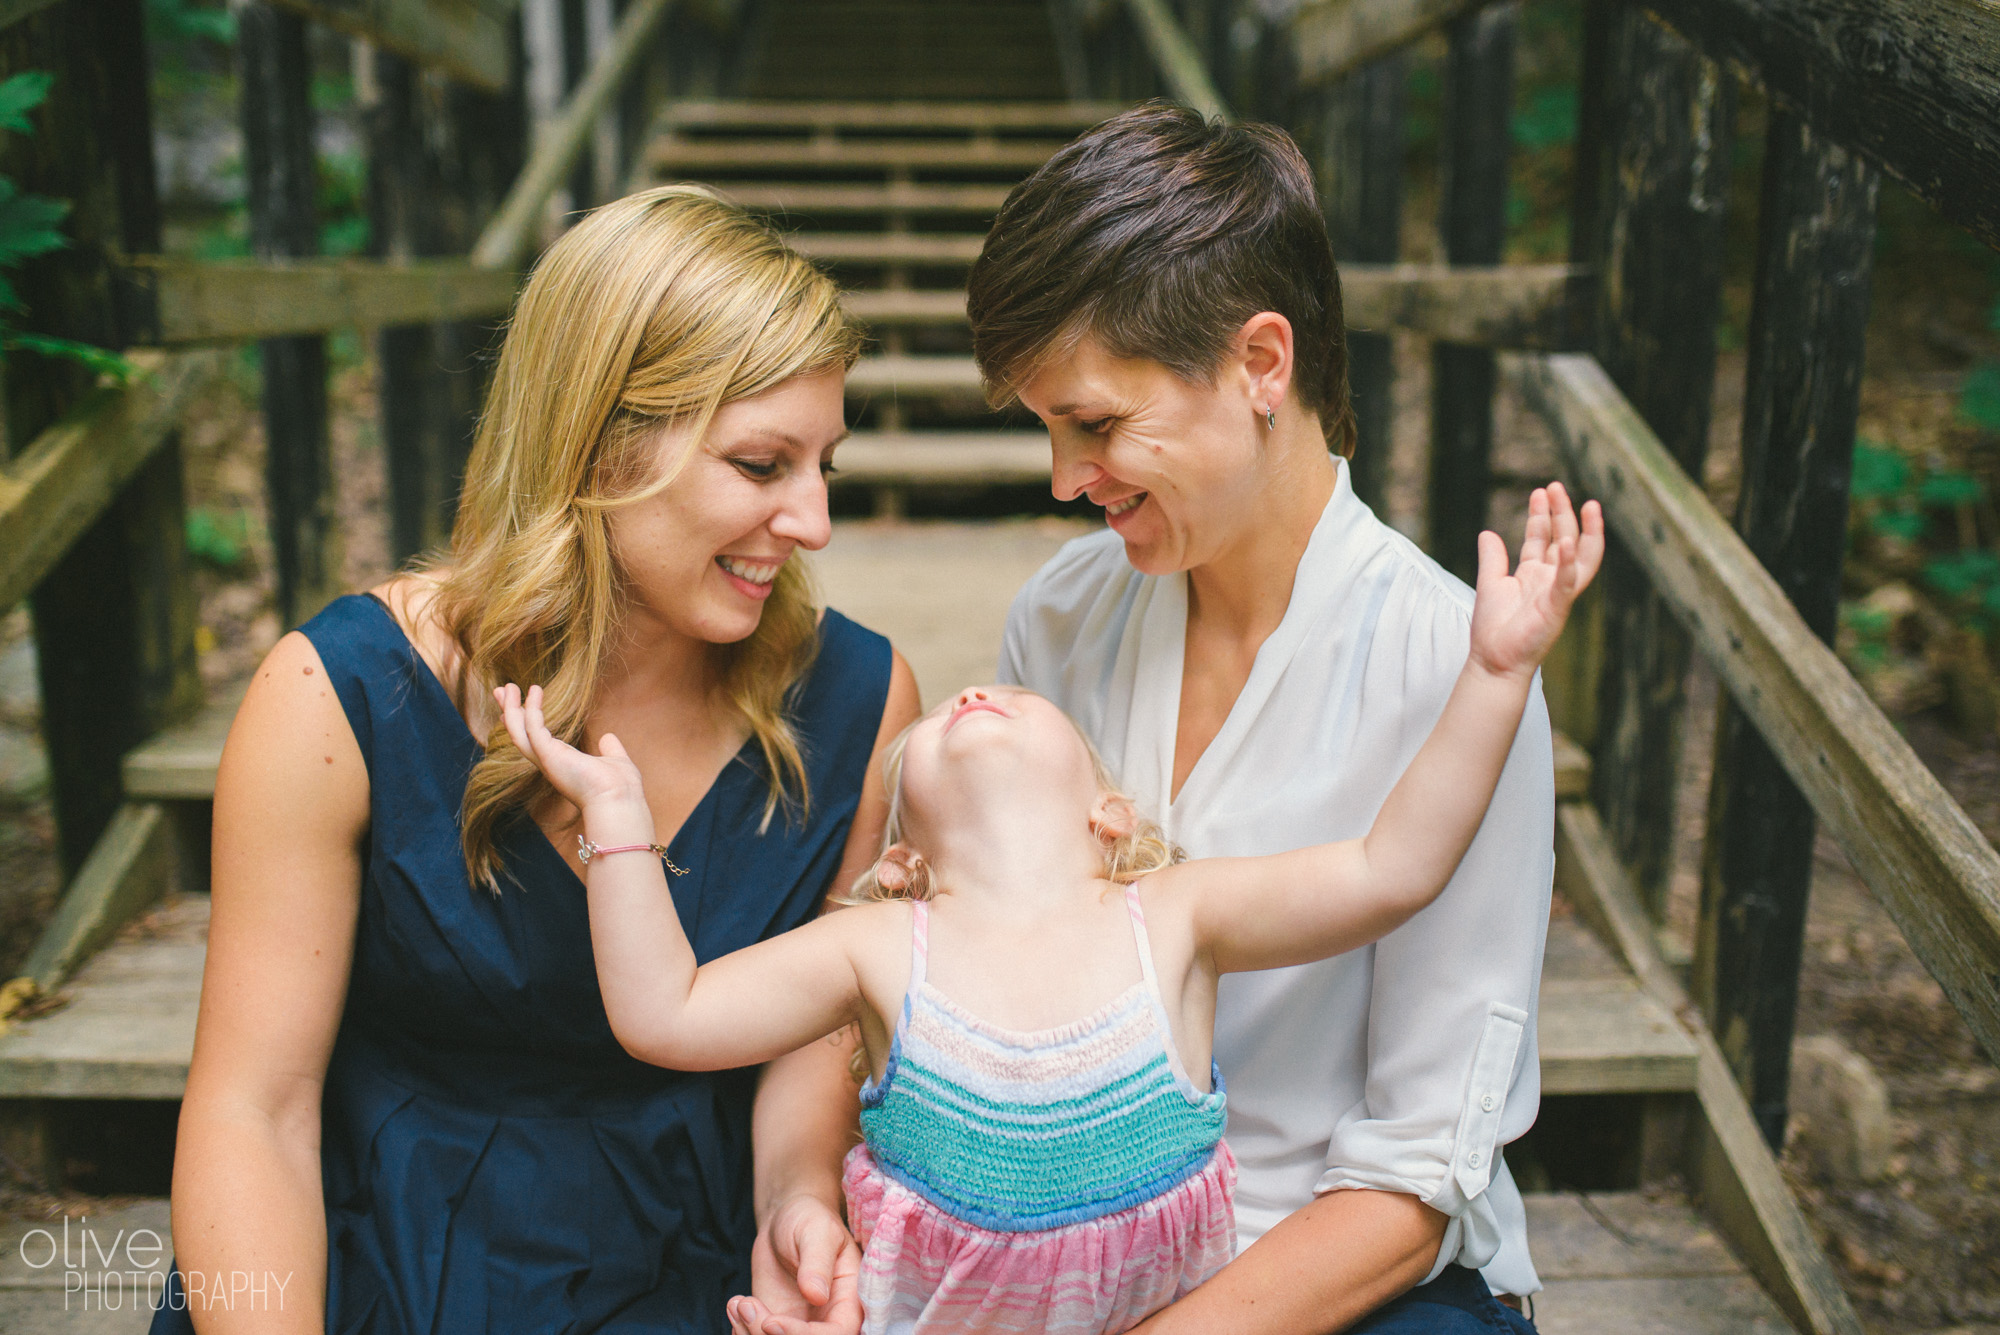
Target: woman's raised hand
[
  {"x": 589, "y": 781},
  {"x": 1516, "y": 618}
]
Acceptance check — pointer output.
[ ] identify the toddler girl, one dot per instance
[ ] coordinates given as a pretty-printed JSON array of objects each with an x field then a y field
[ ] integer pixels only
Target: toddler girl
[{"x": 1033, "y": 972}]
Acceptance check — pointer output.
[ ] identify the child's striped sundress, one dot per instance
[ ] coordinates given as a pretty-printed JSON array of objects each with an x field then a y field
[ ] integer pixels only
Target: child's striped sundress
[{"x": 1066, "y": 1181}]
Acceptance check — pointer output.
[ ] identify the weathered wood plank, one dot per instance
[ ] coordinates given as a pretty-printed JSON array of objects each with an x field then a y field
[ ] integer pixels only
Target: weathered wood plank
[
  {"x": 128, "y": 1030},
  {"x": 1622, "y": 1235},
  {"x": 179, "y": 764},
  {"x": 1334, "y": 37},
  {"x": 836, "y": 116},
  {"x": 701, "y": 157},
  {"x": 1674, "y": 1305},
  {"x": 1916, "y": 849},
  {"x": 953, "y": 458},
  {"x": 1735, "y": 1172},
  {"x": 53, "y": 491},
  {"x": 131, "y": 867},
  {"x": 898, "y": 196},
  {"x": 941, "y": 250},
  {"x": 1808, "y": 325},
  {"x": 890, "y": 306},
  {"x": 178, "y": 301},
  {"x": 467, "y": 38},
  {"x": 1651, "y": 184},
  {"x": 1472, "y": 224},
  {"x": 1179, "y": 64},
  {"x": 1572, "y": 770},
  {"x": 1608, "y": 1037},
  {"x": 1360, "y": 170},
  {"x": 1912, "y": 84},
  {"x": 510, "y": 236},
  {"x": 902, "y": 374}
]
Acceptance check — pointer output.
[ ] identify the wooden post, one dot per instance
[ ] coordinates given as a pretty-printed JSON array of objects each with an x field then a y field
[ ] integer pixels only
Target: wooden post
[
  {"x": 114, "y": 620},
  {"x": 1361, "y": 192},
  {"x": 281, "y": 170},
  {"x": 403, "y": 204},
  {"x": 1816, "y": 234},
  {"x": 1472, "y": 222},
  {"x": 1656, "y": 123}
]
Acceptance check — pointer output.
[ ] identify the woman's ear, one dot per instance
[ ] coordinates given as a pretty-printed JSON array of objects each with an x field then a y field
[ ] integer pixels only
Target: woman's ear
[
  {"x": 901, "y": 870},
  {"x": 1266, "y": 347},
  {"x": 1112, "y": 817}
]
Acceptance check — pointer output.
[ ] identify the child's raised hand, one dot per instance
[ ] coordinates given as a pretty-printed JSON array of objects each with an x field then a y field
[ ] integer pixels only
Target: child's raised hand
[
  {"x": 1516, "y": 618},
  {"x": 584, "y": 779}
]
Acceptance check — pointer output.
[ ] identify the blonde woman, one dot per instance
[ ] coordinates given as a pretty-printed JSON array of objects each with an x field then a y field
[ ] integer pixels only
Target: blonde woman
[{"x": 406, "y": 1110}]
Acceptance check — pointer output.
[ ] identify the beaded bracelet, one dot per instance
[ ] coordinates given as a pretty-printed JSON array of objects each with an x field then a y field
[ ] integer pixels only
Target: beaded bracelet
[{"x": 585, "y": 851}]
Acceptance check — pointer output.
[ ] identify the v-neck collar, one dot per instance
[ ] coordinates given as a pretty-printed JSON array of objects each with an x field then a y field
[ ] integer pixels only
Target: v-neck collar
[
  {"x": 440, "y": 697},
  {"x": 1160, "y": 649}
]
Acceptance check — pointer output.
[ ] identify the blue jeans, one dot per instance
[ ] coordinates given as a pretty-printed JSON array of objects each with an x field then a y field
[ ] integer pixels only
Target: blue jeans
[{"x": 1457, "y": 1302}]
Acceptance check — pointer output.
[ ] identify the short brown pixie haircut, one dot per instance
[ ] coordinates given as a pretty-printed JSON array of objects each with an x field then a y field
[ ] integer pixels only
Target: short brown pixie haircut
[{"x": 1157, "y": 234}]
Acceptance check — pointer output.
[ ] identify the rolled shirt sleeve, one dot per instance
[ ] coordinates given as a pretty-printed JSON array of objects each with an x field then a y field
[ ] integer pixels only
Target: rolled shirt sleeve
[{"x": 1452, "y": 1069}]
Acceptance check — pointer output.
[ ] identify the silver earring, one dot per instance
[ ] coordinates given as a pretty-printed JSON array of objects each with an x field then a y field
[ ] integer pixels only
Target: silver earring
[{"x": 1271, "y": 418}]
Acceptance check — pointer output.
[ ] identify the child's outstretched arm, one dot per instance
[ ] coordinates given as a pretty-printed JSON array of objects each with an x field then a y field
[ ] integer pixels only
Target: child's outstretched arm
[
  {"x": 750, "y": 1006},
  {"x": 1292, "y": 908}
]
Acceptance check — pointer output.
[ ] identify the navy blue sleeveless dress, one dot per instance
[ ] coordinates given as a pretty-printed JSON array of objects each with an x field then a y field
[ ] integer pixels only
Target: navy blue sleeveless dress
[{"x": 493, "y": 1161}]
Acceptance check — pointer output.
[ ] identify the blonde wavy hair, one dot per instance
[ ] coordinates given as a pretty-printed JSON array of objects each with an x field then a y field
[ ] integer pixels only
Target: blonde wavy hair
[
  {"x": 654, "y": 310},
  {"x": 1139, "y": 850}
]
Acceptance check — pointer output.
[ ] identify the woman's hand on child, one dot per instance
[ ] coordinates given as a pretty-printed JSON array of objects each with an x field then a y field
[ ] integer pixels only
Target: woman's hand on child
[
  {"x": 603, "y": 782},
  {"x": 1516, "y": 618}
]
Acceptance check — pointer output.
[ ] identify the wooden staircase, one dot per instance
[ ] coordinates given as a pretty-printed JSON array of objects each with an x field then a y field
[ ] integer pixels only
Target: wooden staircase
[{"x": 895, "y": 198}]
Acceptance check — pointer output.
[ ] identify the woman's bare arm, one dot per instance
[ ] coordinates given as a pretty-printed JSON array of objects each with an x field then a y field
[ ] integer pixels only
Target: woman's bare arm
[
  {"x": 1321, "y": 1269},
  {"x": 291, "y": 810},
  {"x": 802, "y": 1266}
]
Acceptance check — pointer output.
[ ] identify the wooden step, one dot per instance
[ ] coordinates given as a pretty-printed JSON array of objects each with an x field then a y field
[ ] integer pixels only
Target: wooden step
[
  {"x": 920, "y": 376},
  {"x": 832, "y": 117},
  {"x": 128, "y": 1029},
  {"x": 808, "y": 198},
  {"x": 703, "y": 156},
  {"x": 886, "y": 307},
  {"x": 1639, "y": 1263},
  {"x": 957, "y": 458},
  {"x": 178, "y": 765},
  {"x": 941, "y": 250}
]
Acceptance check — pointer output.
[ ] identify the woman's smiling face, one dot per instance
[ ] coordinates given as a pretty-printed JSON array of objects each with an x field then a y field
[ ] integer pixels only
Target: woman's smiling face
[
  {"x": 700, "y": 556},
  {"x": 1176, "y": 466}
]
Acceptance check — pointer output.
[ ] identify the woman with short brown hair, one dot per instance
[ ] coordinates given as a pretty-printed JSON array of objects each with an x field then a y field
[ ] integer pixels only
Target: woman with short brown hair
[{"x": 1258, "y": 657}]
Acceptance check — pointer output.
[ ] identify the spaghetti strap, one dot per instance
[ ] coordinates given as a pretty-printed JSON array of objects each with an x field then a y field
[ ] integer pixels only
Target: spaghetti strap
[
  {"x": 920, "y": 943},
  {"x": 1145, "y": 944}
]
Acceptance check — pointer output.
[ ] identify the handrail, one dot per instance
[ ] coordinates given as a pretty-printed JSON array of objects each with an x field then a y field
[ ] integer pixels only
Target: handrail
[
  {"x": 1919, "y": 853},
  {"x": 1176, "y": 59},
  {"x": 467, "y": 39},
  {"x": 53, "y": 490},
  {"x": 511, "y": 234}
]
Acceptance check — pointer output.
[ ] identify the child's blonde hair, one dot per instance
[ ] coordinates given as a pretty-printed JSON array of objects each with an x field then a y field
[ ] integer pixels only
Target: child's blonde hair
[{"x": 1139, "y": 850}]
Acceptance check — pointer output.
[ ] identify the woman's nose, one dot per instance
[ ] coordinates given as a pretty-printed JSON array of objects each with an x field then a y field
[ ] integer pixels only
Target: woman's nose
[
  {"x": 803, "y": 516},
  {"x": 1072, "y": 472}
]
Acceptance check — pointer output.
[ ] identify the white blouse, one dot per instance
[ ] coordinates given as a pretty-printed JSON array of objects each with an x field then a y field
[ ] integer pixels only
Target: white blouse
[{"x": 1403, "y": 1066}]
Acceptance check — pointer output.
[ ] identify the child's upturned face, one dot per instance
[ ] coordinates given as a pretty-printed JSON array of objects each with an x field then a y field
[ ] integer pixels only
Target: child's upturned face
[{"x": 994, "y": 743}]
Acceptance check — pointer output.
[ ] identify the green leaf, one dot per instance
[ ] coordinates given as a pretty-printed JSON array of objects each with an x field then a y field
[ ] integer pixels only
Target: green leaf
[
  {"x": 1878, "y": 471},
  {"x": 1549, "y": 119},
  {"x": 1979, "y": 404},
  {"x": 20, "y": 95},
  {"x": 101, "y": 360},
  {"x": 29, "y": 224},
  {"x": 1951, "y": 489},
  {"x": 1910, "y": 527},
  {"x": 1963, "y": 574},
  {"x": 218, "y": 539},
  {"x": 1868, "y": 623}
]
